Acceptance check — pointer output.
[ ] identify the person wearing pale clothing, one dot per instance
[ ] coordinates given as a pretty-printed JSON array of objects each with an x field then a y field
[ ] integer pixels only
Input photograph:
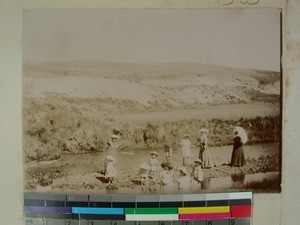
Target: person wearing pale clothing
[
  {"x": 112, "y": 146},
  {"x": 110, "y": 170},
  {"x": 153, "y": 162},
  {"x": 111, "y": 153},
  {"x": 166, "y": 178},
  {"x": 186, "y": 149},
  {"x": 153, "y": 171},
  {"x": 204, "y": 154}
]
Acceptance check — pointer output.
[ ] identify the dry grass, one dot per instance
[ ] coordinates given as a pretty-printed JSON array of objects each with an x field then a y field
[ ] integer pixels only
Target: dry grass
[{"x": 56, "y": 125}]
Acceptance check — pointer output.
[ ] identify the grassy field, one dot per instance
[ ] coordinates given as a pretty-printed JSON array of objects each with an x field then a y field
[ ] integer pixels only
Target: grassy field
[
  {"x": 208, "y": 112},
  {"x": 53, "y": 126}
]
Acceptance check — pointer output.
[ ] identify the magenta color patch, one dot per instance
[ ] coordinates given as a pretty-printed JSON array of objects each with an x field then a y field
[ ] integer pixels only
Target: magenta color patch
[{"x": 205, "y": 216}]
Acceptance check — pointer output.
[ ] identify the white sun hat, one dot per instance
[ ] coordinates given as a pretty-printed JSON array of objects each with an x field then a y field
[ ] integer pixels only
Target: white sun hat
[
  {"x": 110, "y": 157},
  {"x": 204, "y": 130},
  {"x": 183, "y": 169},
  {"x": 154, "y": 153},
  {"x": 198, "y": 161}
]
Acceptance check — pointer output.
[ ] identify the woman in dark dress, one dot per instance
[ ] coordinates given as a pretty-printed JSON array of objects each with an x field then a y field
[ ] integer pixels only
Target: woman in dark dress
[{"x": 237, "y": 157}]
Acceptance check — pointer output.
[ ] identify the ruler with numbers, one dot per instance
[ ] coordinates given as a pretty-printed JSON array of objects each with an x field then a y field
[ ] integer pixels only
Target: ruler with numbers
[{"x": 191, "y": 209}]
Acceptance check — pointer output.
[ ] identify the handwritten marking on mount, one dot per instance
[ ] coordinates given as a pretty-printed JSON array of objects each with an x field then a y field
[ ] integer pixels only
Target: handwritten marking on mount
[{"x": 244, "y": 2}]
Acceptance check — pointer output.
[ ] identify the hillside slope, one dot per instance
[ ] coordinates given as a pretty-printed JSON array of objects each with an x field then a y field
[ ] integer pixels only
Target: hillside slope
[{"x": 171, "y": 84}]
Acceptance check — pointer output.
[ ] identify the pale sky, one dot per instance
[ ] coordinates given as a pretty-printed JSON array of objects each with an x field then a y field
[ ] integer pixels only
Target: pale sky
[{"x": 245, "y": 38}]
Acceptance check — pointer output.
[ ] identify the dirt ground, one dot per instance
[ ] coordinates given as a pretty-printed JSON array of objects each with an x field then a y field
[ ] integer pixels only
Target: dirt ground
[{"x": 80, "y": 173}]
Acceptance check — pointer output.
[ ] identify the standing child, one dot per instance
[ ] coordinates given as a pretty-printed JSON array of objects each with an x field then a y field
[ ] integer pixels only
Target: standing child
[
  {"x": 110, "y": 170},
  {"x": 186, "y": 150},
  {"x": 153, "y": 172},
  {"x": 112, "y": 146},
  {"x": 153, "y": 162},
  {"x": 197, "y": 173},
  {"x": 168, "y": 153},
  {"x": 111, "y": 151},
  {"x": 184, "y": 181},
  {"x": 166, "y": 178},
  {"x": 144, "y": 175}
]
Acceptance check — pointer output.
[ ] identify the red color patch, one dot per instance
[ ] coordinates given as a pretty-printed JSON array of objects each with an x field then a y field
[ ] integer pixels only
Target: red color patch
[{"x": 240, "y": 211}]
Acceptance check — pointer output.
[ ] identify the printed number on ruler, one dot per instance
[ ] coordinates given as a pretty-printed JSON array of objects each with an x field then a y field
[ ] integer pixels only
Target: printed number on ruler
[
  {"x": 76, "y": 222},
  {"x": 232, "y": 222}
]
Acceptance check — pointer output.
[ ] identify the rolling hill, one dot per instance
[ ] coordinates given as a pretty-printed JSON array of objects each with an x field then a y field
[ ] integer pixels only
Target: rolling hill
[{"x": 170, "y": 84}]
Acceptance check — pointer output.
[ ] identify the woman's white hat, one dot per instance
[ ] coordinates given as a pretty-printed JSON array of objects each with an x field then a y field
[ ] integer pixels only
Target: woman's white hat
[
  {"x": 204, "y": 130},
  {"x": 183, "y": 169},
  {"x": 198, "y": 161},
  {"x": 110, "y": 157},
  {"x": 154, "y": 153}
]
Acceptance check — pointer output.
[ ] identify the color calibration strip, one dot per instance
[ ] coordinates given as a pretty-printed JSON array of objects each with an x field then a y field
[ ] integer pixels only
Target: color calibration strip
[{"x": 202, "y": 209}]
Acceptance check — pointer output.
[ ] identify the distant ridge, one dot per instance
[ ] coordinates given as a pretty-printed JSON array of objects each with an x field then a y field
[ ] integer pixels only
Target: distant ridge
[
  {"x": 118, "y": 68},
  {"x": 163, "y": 83}
]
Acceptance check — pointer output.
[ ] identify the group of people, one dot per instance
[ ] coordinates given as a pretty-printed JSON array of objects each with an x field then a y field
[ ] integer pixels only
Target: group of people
[
  {"x": 204, "y": 154},
  {"x": 155, "y": 180},
  {"x": 169, "y": 178}
]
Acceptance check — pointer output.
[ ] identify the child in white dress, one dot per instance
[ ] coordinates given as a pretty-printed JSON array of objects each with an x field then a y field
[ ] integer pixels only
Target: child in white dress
[
  {"x": 186, "y": 149},
  {"x": 110, "y": 170},
  {"x": 166, "y": 178},
  {"x": 153, "y": 172}
]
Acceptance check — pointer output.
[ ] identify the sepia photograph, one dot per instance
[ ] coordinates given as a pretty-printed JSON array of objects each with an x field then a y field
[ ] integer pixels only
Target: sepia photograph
[{"x": 152, "y": 101}]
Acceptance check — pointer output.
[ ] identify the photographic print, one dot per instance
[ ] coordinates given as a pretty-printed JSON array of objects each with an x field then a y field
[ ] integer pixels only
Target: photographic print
[{"x": 151, "y": 101}]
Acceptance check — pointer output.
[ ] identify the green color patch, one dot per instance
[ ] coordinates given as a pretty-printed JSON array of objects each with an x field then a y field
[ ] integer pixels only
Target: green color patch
[{"x": 151, "y": 210}]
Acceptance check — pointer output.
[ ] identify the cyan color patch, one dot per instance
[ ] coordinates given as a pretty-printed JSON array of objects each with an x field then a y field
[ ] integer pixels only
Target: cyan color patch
[{"x": 104, "y": 211}]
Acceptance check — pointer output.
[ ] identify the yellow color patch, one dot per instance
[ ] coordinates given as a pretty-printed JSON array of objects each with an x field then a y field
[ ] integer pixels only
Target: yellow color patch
[{"x": 212, "y": 209}]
